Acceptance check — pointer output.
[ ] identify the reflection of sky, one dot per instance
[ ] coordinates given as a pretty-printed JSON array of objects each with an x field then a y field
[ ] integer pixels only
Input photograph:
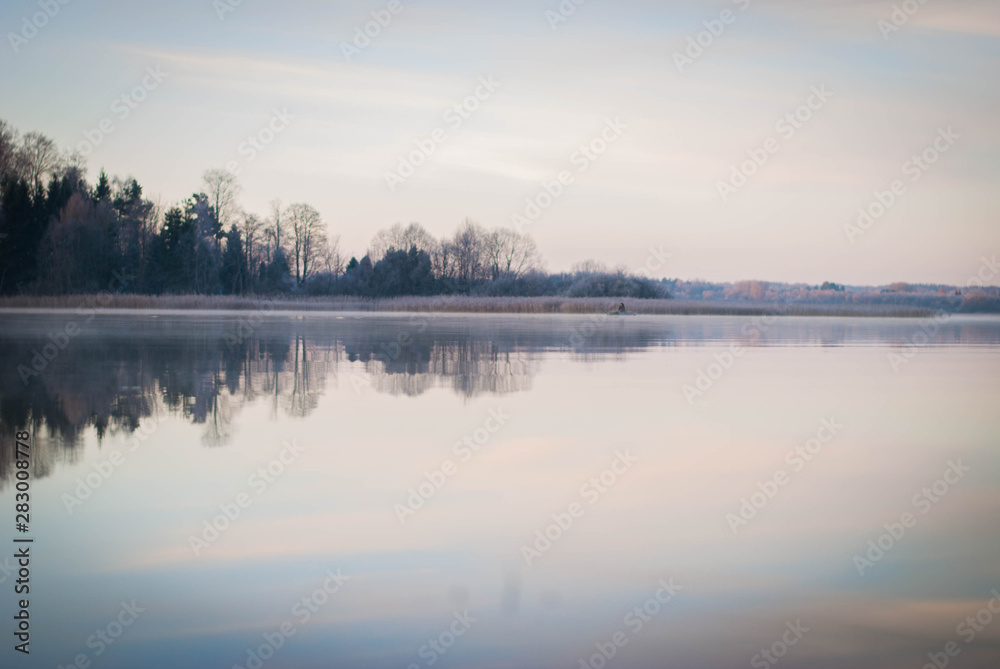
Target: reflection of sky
[{"x": 665, "y": 517}]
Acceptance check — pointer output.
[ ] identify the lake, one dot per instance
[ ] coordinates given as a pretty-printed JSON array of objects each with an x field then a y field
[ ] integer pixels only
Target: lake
[{"x": 391, "y": 490}]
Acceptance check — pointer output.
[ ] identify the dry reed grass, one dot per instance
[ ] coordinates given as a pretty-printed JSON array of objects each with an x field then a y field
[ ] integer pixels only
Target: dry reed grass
[{"x": 451, "y": 304}]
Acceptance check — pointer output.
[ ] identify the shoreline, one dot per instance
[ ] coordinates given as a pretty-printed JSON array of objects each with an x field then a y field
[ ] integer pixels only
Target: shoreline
[{"x": 450, "y": 304}]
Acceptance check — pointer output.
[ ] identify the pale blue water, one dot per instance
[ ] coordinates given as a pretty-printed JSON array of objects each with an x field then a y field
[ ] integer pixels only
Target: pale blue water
[{"x": 634, "y": 442}]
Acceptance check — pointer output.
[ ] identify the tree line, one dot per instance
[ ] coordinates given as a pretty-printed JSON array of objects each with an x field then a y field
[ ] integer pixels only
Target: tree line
[{"x": 61, "y": 234}]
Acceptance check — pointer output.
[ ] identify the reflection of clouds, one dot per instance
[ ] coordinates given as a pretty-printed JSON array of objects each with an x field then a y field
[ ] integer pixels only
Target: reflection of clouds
[{"x": 664, "y": 518}]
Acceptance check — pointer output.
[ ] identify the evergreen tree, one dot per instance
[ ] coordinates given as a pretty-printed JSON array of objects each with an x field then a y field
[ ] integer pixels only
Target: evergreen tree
[
  {"x": 234, "y": 271},
  {"x": 402, "y": 273},
  {"x": 102, "y": 191},
  {"x": 22, "y": 225},
  {"x": 175, "y": 251}
]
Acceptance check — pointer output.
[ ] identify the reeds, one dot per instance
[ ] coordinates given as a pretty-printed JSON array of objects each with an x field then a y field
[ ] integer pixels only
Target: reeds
[{"x": 453, "y": 304}]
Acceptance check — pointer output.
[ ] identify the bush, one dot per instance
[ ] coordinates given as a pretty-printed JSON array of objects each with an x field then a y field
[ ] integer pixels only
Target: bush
[{"x": 615, "y": 285}]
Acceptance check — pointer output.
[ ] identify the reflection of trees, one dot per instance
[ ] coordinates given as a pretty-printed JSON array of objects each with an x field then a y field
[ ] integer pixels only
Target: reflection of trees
[
  {"x": 474, "y": 367},
  {"x": 119, "y": 373},
  {"x": 310, "y": 367},
  {"x": 114, "y": 381},
  {"x": 468, "y": 366},
  {"x": 471, "y": 368},
  {"x": 206, "y": 369}
]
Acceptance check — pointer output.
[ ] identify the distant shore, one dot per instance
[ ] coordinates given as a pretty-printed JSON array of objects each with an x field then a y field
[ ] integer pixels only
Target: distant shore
[{"x": 456, "y": 304}]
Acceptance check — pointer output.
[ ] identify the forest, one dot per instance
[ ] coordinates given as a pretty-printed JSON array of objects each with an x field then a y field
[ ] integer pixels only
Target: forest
[{"x": 60, "y": 234}]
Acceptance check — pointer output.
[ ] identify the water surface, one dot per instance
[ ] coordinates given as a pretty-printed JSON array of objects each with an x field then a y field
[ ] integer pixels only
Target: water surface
[{"x": 632, "y": 442}]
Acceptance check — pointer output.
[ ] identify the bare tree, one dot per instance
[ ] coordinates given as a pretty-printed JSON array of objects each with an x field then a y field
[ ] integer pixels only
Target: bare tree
[
  {"x": 76, "y": 248},
  {"x": 37, "y": 156},
  {"x": 400, "y": 238},
  {"x": 308, "y": 239},
  {"x": 589, "y": 266},
  {"x": 8, "y": 150},
  {"x": 747, "y": 290},
  {"x": 223, "y": 192},
  {"x": 207, "y": 244},
  {"x": 252, "y": 229},
  {"x": 62, "y": 249},
  {"x": 468, "y": 248},
  {"x": 333, "y": 259},
  {"x": 443, "y": 260},
  {"x": 509, "y": 254},
  {"x": 150, "y": 218},
  {"x": 72, "y": 164},
  {"x": 275, "y": 231}
]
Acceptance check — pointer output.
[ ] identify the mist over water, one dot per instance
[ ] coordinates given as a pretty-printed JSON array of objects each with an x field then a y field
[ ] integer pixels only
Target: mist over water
[{"x": 712, "y": 490}]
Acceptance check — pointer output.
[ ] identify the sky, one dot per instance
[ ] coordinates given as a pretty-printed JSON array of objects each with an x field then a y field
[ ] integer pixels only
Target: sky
[{"x": 670, "y": 123}]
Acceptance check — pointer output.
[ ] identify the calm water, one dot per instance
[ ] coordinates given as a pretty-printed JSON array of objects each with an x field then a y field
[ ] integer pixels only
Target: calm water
[{"x": 709, "y": 487}]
